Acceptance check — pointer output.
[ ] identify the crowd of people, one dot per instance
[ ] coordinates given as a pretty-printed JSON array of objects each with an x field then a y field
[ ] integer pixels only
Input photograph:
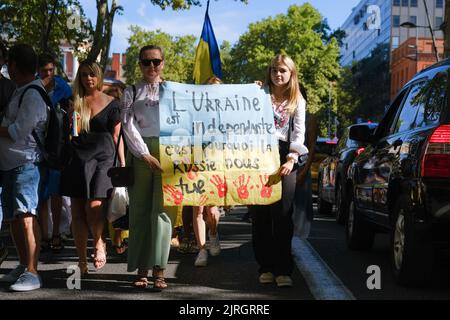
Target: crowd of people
[{"x": 78, "y": 193}]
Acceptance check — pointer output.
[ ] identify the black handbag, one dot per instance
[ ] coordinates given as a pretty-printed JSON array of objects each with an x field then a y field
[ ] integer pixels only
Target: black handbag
[{"x": 120, "y": 176}]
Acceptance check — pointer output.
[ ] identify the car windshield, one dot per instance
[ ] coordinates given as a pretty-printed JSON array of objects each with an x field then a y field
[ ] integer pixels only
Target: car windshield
[{"x": 325, "y": 146}]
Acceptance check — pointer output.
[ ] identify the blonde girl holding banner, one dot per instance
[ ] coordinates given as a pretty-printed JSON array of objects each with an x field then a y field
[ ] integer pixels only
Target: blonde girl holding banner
[{"x": 272, "y": 226}]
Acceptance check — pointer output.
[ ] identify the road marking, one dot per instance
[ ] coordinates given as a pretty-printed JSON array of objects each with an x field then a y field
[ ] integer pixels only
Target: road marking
[{"x": 322, "y": 281}]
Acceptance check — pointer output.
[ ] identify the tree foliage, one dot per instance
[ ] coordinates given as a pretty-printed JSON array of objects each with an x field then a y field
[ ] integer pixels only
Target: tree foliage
[
  {"x": 179, "y": 53},
  {"x": 44, "y": 24},
  {"x": 300, "y": 34},
  {"x": 180, "y": 4}
]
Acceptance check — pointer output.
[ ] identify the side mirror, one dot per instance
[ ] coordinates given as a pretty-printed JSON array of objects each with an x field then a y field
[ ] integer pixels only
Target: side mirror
[{"x": 361, "y": 133}]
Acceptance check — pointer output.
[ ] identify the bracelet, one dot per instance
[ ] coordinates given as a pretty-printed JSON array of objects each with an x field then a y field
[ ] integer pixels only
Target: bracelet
[{"x": 292, "y": 157}]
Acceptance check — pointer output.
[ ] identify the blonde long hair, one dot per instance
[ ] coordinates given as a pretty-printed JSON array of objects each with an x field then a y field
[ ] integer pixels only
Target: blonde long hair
[
  {"x": 293, "y": 86},
  {"x": 81, "y": 106}
]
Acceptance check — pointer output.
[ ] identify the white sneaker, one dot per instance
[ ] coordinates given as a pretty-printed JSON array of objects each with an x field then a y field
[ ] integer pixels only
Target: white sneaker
[
  {"x": 14, "y": 274},
  {"x": 27, "y": 281},
  {"x": 214, "y": 245},
  {"x": 202, "y": 258},
  {"x": 266, "y": 277},
  {"x": 284, "y": 281}
]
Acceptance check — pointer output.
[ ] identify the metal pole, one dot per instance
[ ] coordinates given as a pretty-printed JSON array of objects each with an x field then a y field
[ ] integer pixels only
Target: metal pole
[
  {"x": 417, "y": 50},
  {"x": 329, "y": 112},
  {"x": 431, "y": 30}
]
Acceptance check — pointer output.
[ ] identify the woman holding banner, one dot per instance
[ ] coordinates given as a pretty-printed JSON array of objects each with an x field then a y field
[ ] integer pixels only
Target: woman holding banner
[
  {"x": 272, "y": 227},
  {"x": 150, "y": 222}
]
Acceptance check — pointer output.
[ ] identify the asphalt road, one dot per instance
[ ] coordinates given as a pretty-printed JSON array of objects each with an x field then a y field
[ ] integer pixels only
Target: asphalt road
[
  {"x": 233, "y": 275},
  {"x": 328, "y": 239},
  {"x": 326, "y": 270}
]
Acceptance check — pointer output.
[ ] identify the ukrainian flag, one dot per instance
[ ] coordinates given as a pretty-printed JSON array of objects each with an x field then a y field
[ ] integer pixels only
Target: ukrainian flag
[{"x": 207, "y": 56}]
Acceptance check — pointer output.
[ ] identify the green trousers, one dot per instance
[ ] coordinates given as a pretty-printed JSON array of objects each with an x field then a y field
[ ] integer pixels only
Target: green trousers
[{"x": 150, "y": 222}]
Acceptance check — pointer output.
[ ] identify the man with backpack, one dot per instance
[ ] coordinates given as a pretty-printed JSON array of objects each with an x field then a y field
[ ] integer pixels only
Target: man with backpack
[
  {"x": 20, "y": 159},
  {"x": 60, "y": 94}
]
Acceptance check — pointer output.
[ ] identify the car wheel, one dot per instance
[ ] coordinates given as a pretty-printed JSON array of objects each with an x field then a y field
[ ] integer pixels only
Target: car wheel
[
  {"x": 341, "y": 205},
  {"x": 412, "y": 254},
  {"x": 360, "y": 236}
]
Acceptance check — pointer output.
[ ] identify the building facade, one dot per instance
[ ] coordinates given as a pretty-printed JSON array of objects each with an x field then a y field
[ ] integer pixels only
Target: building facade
[
  {"x": 373, "y": 22},
  {"x": 410, "y": 57}
]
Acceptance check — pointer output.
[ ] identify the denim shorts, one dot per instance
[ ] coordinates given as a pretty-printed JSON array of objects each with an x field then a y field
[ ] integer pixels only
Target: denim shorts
[
  {"x": 50, "y": 181},
  {"x": 20, "y": 190}
]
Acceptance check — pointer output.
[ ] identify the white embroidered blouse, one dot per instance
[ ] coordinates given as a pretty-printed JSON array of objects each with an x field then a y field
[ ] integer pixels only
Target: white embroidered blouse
[
  {"x": 141, "y": 118},
  {"x": 297, "y": 146}
]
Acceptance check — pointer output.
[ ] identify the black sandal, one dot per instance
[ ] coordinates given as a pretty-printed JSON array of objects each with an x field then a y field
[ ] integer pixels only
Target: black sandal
[
  {"x": 45, "y": 245},
  {"x": 122, "y": 248},
  {"x": 58, "y": 244}
]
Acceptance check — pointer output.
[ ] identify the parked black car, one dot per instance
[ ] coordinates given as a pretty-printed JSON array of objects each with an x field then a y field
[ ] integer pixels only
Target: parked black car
[
  {"x": 401, "y": 182},
  {"x": 333, "y": 175}
]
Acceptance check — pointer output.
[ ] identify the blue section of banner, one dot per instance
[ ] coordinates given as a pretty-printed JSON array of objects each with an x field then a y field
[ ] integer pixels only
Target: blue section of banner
[{"x": 224, "y": 113}]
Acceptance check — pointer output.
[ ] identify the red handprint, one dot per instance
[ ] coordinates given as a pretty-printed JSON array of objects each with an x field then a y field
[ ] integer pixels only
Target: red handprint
[
  {"x": 203, "y": 200},
  {"x": 266, "y": 191},
  {"x": 242, "y": 186},
  {"x": 191, "y": 169},
  {"x": 177, "y": 195},
  {"x": 221, "y": 186}
]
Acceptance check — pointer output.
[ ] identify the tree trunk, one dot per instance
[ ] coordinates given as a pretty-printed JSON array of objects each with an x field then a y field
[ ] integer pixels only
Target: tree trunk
[
  {"x": 108, "y": 34},
  {"x": 103, "y": 31},
  {"x": 97, "y": 45},
  {"x": 447, "y": 29}
]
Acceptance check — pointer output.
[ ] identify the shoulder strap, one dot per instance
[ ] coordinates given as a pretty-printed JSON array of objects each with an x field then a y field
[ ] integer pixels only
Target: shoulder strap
[
  {"x": 116, "y": 155},
  {"x": 47, "y": 101},
  {"x": 41, "y": 91},
  {"x": 291, "y": 125},
  {"x": 134, "y": 92}
]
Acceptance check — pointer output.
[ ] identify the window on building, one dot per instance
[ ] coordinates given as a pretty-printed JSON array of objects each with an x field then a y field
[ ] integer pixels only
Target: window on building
[
  {"x": 354, "y": 54},
  {"x": 395, "y": 42},
  {"x": 346, "y": 46},
  {"x": 405, "y": 3},
  {"x": 439, "y": 3},
  {"x": 379, "y": 32},
  {"x": 413, "y": 3},
  {"x": 438, "y": 22},
  {"x": 396, "y": 21},
  {"x": 397, "y": 3},
  {"x": 413, "y": 19}
]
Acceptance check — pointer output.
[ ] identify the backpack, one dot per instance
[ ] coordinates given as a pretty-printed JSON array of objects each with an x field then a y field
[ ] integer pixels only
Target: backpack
[{"x": 56, "y": 148}]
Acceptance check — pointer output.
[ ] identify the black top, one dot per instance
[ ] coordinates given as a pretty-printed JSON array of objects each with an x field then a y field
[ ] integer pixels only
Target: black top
[
  {"x": 93, "y": 154},
  {"x": 105, "y": 120}
]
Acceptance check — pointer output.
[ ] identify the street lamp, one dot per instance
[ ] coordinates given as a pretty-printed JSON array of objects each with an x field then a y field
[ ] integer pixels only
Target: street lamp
[
  {"x": 409, "y": 25},
  {"x": 413, "y": 25}
]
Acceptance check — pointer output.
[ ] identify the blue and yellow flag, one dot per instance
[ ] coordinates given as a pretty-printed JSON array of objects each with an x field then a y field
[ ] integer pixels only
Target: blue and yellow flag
[{"x": 207, "y": 56}]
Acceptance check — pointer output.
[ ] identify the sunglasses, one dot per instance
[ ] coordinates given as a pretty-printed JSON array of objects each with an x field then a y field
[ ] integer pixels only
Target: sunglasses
[{"x": 148, "y": 62}]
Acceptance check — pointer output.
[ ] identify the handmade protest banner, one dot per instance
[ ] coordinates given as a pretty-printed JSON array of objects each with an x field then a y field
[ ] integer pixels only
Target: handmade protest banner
[{"x": 217, "y": 145}]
